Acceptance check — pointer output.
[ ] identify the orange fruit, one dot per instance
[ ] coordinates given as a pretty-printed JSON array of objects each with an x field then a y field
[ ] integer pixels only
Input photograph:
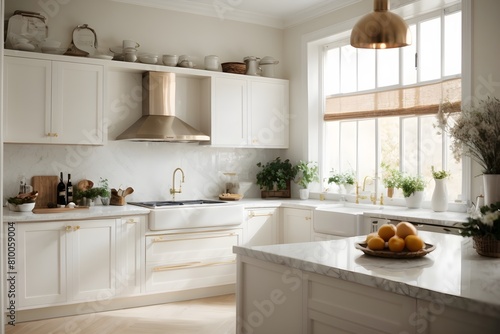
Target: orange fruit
[
  {"x": 404, "y": 229},
  {"x": 386, "y": 231},
  {"x": 396, "y": 244},
  {"x": 371, "y": 235},
  {"x": 414, "y": 243},
  {"x": 376, "y": 243}
]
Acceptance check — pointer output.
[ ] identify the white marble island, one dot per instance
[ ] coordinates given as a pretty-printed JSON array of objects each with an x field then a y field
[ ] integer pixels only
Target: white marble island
[{"x": 331, "y": 287}]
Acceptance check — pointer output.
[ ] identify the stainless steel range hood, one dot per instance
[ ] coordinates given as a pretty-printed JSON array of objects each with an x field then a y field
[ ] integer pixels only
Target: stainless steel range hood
[{"x": 158, "y": 121}]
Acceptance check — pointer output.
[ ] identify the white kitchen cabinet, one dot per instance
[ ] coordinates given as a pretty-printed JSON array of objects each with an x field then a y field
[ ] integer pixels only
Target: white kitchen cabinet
[
  {"x": 247, "y": 111},
  {"x": 337, "y": 306},
  {"x": 297, "y": 225},
  {"x": 261, "y": 226},
  {"x": 184, "y": 261},
  {"x": 63, "y": 262},
  {"x": 52, "y": 102},
  {"x": 130, "y": 258},
  {"x": 439, "y": 317}
]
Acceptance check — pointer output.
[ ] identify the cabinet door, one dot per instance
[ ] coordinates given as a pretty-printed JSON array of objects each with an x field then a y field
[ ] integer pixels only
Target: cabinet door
[
  {"x": 77, "y": 105},
  {"x": 261, "y": 227},
  {"x": 229, "y": 113},
  {"x": 130, "y": 258},
  {"x": 92, "y": 265},
  {"x": 269, "y": 114},
  {"x": 41, "y": 260},
  {"x": 297, "y": 225},
  {"x": 27, "y": 100}
]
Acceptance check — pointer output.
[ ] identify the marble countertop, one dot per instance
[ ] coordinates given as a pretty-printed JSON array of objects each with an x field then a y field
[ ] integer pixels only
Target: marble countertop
[
  {"x": 453, "y": 274},
  {"x": 98, "y": 211}
]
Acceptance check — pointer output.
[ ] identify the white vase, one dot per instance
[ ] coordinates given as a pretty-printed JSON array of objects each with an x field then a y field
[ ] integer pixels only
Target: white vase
[
  {"x": 304, "y": 193},
  {"x": 491, "y": 183},
  {"x": 414, "y": 201},
  {"x": 348, "y": 188},
  {"x": 439, "y": 201}
]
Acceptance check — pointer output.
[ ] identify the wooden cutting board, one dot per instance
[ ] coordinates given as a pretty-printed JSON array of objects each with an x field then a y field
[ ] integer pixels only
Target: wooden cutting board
[{"x": 47, "y": 190}]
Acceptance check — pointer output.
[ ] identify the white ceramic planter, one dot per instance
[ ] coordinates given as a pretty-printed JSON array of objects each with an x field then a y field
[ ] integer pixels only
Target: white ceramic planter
[
  {"x": 304, "y": 193},
  {"x": 439, "y": 201},
  {"x": 415, "y": 200}
]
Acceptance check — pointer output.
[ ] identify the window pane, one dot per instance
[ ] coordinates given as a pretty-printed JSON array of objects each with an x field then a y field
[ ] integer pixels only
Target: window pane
[
  {"x": 348, "y": 147},
  {"x": 429, "y": 56},
  {"x": 431, "y": 149},
  {"x": 332, "y": 72},
  {"x": 366, "y": 69},
  {"x": 387, "y": 67},
  {"x": 410, "y": 146},
  {"x": 348, "y": 69},
  {"x": 409, "y": 68},
  {"x": 453, "y": 44},
  {"x": 367, "y": 149},
  {"x": 455, "y": 180},
  {"x": 389, "y": 141},
  {"x": 331, "y": 148}
]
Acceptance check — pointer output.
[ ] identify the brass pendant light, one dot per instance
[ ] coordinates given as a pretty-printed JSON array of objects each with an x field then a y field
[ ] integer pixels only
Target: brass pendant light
[{"x": 380, "y": 29}]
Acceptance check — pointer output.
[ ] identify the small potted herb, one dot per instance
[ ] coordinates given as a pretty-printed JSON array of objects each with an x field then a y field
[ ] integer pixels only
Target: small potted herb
[
  {"x": 413, "y": 190},
  {"x": 346, "y": 179},
  {"x": 274, "y": 178},
  {"x": 308, "y": 172},
  {"x": 391, "y": 178}
]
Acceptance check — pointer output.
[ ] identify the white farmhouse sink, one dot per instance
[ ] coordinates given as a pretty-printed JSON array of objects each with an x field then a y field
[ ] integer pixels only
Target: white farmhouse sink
[
  {"x": 195, "y": 216},
  {"x": 340, "y": 220}
]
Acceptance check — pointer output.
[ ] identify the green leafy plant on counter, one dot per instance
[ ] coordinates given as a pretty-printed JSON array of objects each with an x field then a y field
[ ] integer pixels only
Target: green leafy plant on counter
[
  {"x": 391, "y": 176},
  {"x": 275, "y": 172},
  {"x": 440, "y": 174},
  {"x": 410, "y": 184},
  {"x": 94, "y": 192},
  {"x": 308, "y": 172},
  {"x": 342, "y": 178},
  {"x": 485, "y": 223}
]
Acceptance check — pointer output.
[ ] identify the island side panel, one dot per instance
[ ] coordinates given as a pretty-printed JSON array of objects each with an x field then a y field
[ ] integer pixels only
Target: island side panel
[{"x": 270, "y": 298}]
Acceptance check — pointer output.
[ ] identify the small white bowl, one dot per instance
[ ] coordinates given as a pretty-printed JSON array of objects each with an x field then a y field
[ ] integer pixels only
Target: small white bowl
[
  {"x": 26, "y": 207},
  {"x": 148, "y": 59},
  {"x": 170, "y": 60}
]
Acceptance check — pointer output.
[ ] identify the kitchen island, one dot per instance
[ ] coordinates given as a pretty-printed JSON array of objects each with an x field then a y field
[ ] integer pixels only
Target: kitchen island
[{"x": 330, "y": 287}]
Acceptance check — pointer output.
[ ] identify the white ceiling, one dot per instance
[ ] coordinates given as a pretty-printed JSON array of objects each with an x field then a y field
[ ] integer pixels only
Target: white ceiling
[{"x": 274, "y": 13}]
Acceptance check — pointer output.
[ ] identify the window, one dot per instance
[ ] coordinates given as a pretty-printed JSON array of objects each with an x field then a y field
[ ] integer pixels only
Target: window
[{"x": 380, "y": 105}]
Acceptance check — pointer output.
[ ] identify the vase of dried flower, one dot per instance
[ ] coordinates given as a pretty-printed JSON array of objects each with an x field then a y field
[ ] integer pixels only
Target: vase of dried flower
[{"x": 491, "y": 183}]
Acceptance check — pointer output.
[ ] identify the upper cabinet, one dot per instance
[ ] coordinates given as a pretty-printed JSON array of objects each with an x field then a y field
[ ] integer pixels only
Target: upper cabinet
[
  {"x": 247, "y": 111},
  {"x": 54, "y": 102}
]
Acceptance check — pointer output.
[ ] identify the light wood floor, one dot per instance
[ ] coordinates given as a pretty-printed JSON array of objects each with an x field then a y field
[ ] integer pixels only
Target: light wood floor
[{"x": 215, "y": 315}]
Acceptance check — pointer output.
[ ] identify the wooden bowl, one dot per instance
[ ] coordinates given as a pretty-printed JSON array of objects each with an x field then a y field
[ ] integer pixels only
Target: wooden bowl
[{"x": 232, "y": 67}]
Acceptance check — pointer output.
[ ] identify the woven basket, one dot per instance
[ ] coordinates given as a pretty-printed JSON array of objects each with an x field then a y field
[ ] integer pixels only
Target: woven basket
[
  {"x": 487, "y": 246},
  {"x": 238, "y": 68}
]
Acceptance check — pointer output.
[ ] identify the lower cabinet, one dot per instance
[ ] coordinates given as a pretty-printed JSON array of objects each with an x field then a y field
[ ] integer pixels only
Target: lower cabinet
[
  {"x": 183, "y": 261},
  {"x": 62, "y": 262},
  {"x": 261, "y": 226},
  {"x": 297, "y": 225}
]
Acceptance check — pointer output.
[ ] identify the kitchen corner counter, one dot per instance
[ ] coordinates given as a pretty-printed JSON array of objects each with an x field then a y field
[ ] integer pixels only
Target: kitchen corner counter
[
  {"x": 98, "y": 211},
  {"x": 453, "y": 274}
]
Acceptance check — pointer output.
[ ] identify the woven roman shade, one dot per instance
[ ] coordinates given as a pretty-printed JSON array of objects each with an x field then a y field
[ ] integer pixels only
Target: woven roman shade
[{"x": 414, "y": 100}]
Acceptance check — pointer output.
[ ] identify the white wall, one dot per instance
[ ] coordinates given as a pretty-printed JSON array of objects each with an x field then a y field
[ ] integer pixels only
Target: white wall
[{"x": 147, "y": 167}]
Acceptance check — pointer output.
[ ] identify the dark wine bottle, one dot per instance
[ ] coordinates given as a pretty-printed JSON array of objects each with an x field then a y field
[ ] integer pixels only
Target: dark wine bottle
[
  {"x": 61, "y": 192},
  {"x": 69, "y": 190}
]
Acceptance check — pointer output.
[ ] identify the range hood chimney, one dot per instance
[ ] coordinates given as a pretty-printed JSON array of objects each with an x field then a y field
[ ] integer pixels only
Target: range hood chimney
[{"x": 158, "y": 121}]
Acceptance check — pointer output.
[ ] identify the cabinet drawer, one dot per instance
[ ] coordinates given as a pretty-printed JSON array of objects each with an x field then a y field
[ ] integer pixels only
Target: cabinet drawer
[{"x": 184, "y": 261}]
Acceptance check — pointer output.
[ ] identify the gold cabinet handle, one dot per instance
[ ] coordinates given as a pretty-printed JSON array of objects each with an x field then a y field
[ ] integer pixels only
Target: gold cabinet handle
[
  {"x": 76, "y": 228},
  {"x": 52, "y": 134},
  {"x": 253, "y": 214},
  {"x": 68, "y": 228},
  {"x": 191, "y": 265},
  {"x": 130, "y": 221}
]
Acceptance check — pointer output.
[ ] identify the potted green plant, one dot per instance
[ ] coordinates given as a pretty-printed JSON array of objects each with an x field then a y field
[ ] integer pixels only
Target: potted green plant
[
  {"x": 104, "y": 192},
  {"x": 87, "y": 197},
  {"x": 413, "y": 190},
  {"x": 274, "y": 178},
  {"x": 308, "y": 172},
  {"x": 346, "y": 179},
  {"x": 390, "y": 179},
  {"x": 484, "y": 228}
]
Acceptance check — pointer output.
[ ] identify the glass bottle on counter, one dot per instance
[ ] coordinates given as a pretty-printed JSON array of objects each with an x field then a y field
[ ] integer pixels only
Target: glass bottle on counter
[
  {"x": 61, "y": 193},
  {"x": 69, "y": 190}
]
